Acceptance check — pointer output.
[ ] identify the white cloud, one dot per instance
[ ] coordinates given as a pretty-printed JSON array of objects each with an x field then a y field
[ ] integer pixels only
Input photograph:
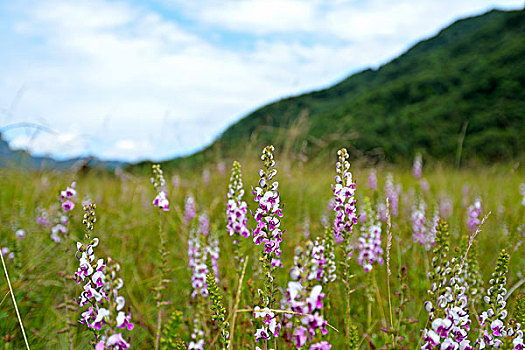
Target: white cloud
[{"x": 132, "y": 83}]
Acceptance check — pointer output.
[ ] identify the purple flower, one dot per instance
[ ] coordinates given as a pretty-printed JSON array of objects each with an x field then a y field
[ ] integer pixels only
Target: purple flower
[
  {"x": 474, "y": 215},
  {"x": 116, "y": 342},
  {"x": 20, "y": 234},
  {"x": 344, "y": 200},
  {"x": 189, "y": 210},
  {"x": 161, "y": 201},
  {"x": 68, "y": 205}
]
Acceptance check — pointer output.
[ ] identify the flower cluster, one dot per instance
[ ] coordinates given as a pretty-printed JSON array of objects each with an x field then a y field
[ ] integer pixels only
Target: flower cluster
[
  {"x": 197, "y": 250},
  {"x": 345, "y": 202},
  {"x": 65, "y": 197},
  {"x": 42, "y": 218},
  {"x": 268, "y": 233},
  {"x": 189, "y": 210},
  {"x": 445, "y": 207},
  {"x": 419, "y": 223},
  {"x": 392, "y": 193},
  {"x": 161, "y": 199},
  {"x": 6, "y": 252},
  {"x": 417, "y": 168},
  {"x": 214, "y": 252},
  {"x": 474, "y": 215},
  {"x": 422, "y": 234},
  {"x": 100, "y": 299},
  {"x": 270, "y": 325},
  {"x": 492, "y": 320},
  {"x": 369, "y": 242},
  {"x": 448, "y": 311},
  {"x": 59, "y": 230},
  {"x": 522, "y": 192},
  {"x": 313, "y": 268},
  {"x": 236, "y": 210},
  {"x": 268, "y": 229}
]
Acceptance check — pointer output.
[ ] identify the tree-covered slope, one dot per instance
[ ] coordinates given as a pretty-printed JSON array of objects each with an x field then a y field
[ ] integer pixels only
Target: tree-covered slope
[{"x": 466, "y": 83}]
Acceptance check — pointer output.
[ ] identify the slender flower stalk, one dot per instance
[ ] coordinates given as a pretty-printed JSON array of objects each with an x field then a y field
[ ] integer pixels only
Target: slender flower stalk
[
  {"x": 313, "y": 269},
  {"x": 268, "y": 233},
  {"x": 492, "y": 321},
  {"x": 236, "y": 212},
  {"x": 161, "y": 202},
  {"x": 60, "y": 232},
  {"x": 189, "y": 210},
  {"x": 369, "y": 242},
  {"x": 198, "y": 250},
  {"x": 422, "y": 234},
  {"x": 448, "y": 304},
  {"x": 103, "y": 306},
  {"x": 345, "y": 202}
]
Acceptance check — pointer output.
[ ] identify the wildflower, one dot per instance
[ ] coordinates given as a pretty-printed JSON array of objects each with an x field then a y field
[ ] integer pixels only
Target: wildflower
[
  {"x": 419, "y": 223},
  {"x": 449, "y": 313},
  {"x": 100, "y": 297},
  {"x": 189, "y": 210},
  {"x": 197, "y": 259},
  {"x": 236, "y": 211},
  {"x": 474, "y": 215},
  {"x": 372, "y": 180},
  {"x": 369, "y": 243},
  {"x": 20, "y": 234},
  {"x": 59, "y": 230},
  {"x": 445, "y": 207},
  {"x": 418, "y": 166},
  {"x": 314, "y": 267},
  {"x": 268, "y": 234},
  {"x": 522, "y": 192},
  {"x": 6, "y": 252},
  {"x": 344, "y": 200},
  {"x": 491, "y": 321},
  {"x": 268, "y": 230},
  {"x": 42, "y": 218},
  {"x": 392, "y": 193},
  {"x": 161, "y": 200}
]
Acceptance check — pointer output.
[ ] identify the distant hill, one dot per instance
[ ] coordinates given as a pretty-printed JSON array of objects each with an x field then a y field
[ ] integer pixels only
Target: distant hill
[
  {"x": 22, "y": 159},
  {"x": 459, "y": 93}
]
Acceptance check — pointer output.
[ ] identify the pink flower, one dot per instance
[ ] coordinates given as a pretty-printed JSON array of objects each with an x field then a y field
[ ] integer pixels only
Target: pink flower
[{"x": 68, "y": 205}]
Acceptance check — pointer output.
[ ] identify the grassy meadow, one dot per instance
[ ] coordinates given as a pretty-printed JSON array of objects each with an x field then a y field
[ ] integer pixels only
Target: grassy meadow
[{"x": 128, "y": 228}]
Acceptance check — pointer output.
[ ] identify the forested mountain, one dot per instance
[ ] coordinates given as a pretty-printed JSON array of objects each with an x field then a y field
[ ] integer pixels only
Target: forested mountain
[{"x": 461, "y": 92}]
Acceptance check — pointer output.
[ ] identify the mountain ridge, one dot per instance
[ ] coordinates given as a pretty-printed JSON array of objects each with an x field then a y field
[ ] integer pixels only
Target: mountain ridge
[{"x": 467, "y": 81}]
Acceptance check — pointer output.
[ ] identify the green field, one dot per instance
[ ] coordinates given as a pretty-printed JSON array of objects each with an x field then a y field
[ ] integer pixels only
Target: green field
[{"x": 128, "y": 228}]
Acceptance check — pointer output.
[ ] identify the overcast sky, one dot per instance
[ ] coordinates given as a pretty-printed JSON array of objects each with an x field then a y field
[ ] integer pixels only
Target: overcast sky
[{"x": 136, "y": 80}]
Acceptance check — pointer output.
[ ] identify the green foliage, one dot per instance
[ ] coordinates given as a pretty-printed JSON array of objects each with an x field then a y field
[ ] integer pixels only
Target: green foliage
[
  {"x": 519, "y": 311},
  {"x": 170, "y": 335},
  {"x": 466, "y": 83},
  {"x": 217, "y": 307}
]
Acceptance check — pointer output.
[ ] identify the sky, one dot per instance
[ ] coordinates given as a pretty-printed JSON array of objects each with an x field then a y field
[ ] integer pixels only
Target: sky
[{"x": 134, "y": 80}]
